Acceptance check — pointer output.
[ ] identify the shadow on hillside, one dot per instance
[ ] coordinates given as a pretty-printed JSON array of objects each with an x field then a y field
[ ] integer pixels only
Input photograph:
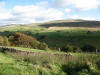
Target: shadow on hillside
[{"x": 72, "y": 24}]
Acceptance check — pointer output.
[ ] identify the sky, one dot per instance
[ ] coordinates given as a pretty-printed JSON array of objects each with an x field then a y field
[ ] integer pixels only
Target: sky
[{"x": 34, "y": 11}]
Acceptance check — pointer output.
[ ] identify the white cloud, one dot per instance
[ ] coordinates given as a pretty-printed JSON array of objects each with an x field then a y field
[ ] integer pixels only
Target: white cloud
[
  {"x": 80, "y": 4},
  {"x": 68, "y": 10},
  {"x": 4, "y": 16},
  {"x": 30, "y": 14},
  {"x": 79, "y": 17}
]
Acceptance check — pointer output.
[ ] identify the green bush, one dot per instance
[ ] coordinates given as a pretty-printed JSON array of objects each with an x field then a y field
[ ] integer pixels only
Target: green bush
[
  {"x": 67, "y": 48},
  {"x": 19, "y": 39},
  {"x": 43, "y": 46},
  {"x": 4, "y": 41},
  {"x": 72, "y": 68},
  {"x": 77, "y": 49},
  {"x": 88, "y": 48}
]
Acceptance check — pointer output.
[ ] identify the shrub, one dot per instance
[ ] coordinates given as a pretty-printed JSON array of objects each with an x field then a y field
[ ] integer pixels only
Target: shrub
[
  {"x": 1, "y": 41},
  {"x": 19, "y": 39},
  {"x": 77, "y": 49},
  {"x": 43, "y": 46},
  {"x": 4, "y": 41},
  {"x": 74, "y": 68},
  {"x": 67, "y": 48},
  {"x": 98, "y": 63},
  {"x": 88, "y": 48}
]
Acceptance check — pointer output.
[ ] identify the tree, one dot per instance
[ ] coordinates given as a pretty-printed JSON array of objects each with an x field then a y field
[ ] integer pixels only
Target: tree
[
  {"x": 88, "y": 48},
  {"x": 6, "y": 42},
  {"x": 19, "y": 39},
  {"x": 67, "y": 48},
  {"x": 77, "y": 49},
  {"x": 43, "y": 46},
  {"x": 1, "y": 41}
]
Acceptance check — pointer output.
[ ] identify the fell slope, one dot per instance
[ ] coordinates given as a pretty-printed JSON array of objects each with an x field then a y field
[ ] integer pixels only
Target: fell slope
[{"x": 60, "y": 23}]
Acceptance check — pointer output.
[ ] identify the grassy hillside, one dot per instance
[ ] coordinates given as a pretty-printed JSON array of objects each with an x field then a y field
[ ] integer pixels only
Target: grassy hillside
[
  {"x": 14, "y": 64},
  {"x": 73, "y": 35},
  {"x": 61, "y": 38},
  {"x": 71, "y": 23}
]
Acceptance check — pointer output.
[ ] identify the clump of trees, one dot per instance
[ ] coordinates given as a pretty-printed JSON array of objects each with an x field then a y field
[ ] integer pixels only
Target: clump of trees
[
  {"x": 4, "y": 41},
  {"x": 19, "y": 39},
  {"x": 69, "y": 48},
  {"x": 88, "y": 48},
  {"x": 85, "y": 48},
  {"x": 22, "y": 40}
]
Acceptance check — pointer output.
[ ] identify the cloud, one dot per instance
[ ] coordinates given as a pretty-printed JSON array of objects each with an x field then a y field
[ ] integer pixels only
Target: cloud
[
  {"x": 29, "y": 14},
  {"x": 79, "y": 17},
  {"x": 79, "y": 4},
  {"x": 68, "y": 10}
]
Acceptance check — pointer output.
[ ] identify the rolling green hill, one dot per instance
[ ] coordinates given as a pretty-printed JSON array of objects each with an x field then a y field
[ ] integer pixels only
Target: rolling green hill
[{"x": 74, "y": 32}]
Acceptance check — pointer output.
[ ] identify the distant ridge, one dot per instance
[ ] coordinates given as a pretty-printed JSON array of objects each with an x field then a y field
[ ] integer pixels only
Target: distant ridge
[
  {"x": 61, "y": 23},
  {"x": 69, "y": 20},
  {"x": 71, "y": 23}
]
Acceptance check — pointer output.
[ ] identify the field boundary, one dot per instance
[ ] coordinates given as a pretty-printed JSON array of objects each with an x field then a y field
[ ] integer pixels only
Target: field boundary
[{"x": 28, "y": 53}]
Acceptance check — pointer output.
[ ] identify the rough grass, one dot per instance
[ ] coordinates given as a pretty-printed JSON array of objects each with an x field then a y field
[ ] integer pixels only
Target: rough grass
[
  {"x": 6, "y": 59},
  {"x": 15, "y": 67},
  {"x": 14, "y": 64}
]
